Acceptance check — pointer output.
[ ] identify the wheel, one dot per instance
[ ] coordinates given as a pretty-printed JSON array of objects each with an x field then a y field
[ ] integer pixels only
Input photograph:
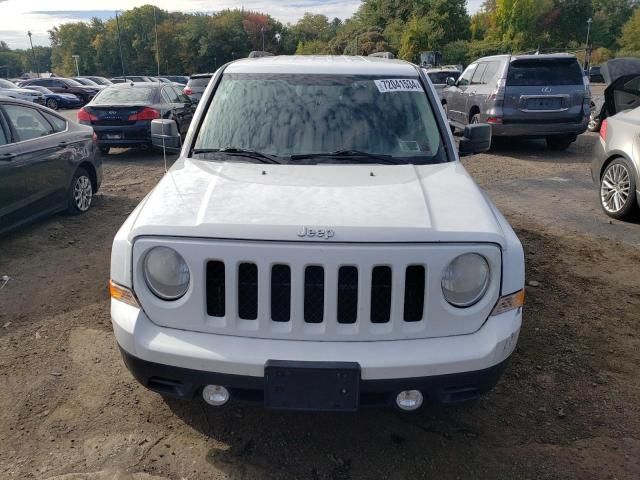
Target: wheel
[
  {"x": 559, "y": 142},
  {"x": 80, "y": 193},
  {"x": 52, "y": 103},
  {"x": 618, "y": 190},
  {"x": 105, "y": 150},
  {"x": 475, "y": 119}
]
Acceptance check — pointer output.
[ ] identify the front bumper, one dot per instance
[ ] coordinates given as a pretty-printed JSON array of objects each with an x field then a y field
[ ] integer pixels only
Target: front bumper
[{"x": 447, "y": 369}]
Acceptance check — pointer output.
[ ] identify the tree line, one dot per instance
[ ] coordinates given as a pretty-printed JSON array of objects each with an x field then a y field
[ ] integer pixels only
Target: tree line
[{"x": 192, "y": 42}]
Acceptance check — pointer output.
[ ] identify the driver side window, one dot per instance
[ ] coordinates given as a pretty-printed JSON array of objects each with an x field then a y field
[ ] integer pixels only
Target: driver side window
[{"x": 465, "y": 78}]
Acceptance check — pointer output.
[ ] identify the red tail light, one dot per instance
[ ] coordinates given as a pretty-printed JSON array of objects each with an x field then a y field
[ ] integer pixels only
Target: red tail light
[
  {"x": 494, "y": 120},
  {"x": 84, "y": 116},
  {"x": 187, "y": 91},
  {"x": 94, "y": 137},
  {"x": 146, "y": 113},
  {"x": 603, "y": 129}
]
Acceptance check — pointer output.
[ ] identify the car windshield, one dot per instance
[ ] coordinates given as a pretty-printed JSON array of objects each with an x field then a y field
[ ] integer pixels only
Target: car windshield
[
  {"x": 125, "y": 96},
  {"x": 86, "y": 81},
  {"x": 297, "y": 115},
  {"x": 440, "y": 78},
  {"x": 72, "y": 83},
  {"x": 540, "y": 73},
  {"x": 199, "y": 82},
  {"x": 39, "y": 89},
  {"x": 7, "y": 84}
]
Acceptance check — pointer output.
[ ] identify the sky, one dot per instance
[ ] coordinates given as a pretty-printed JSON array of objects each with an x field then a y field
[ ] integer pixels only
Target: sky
[{"x": 17, "y": 17}]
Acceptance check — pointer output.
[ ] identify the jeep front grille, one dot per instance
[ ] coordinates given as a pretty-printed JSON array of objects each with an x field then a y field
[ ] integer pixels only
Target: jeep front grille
[{"x": 381, "y": 287}]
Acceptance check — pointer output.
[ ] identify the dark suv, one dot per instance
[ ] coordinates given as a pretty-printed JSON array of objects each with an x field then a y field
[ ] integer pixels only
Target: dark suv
[
  {"x": 196, "y": 85},
  {"x": 66, "y": 85},
  {"x": 535, "y": 96}
]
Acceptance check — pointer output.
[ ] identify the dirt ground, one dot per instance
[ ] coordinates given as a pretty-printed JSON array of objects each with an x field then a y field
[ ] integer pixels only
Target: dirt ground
[{"x": 566, "y": 408}]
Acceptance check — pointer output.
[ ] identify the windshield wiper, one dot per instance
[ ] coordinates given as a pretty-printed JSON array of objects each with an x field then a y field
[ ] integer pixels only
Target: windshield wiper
[
  {"x": 262, "y": 157},
  {"x": 349, "y": 154}
]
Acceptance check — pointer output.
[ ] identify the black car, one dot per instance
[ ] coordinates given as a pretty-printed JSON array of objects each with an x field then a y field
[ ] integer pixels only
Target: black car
[
  {"x": 121, "y": 114},
  {"x": 595, "y": 75},
  {"x": 66, "y": 85},
  {"x": 47, "y": 164}
]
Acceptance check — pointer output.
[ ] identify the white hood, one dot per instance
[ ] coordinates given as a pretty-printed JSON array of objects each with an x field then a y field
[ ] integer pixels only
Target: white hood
[{"x": 360, "y": 203}]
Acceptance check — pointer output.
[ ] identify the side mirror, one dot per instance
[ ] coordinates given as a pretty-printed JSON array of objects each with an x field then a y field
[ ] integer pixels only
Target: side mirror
[
  {"x": 476, "y": 139},
  {"x": 451, "y": 81},
  {"x": 165, "y": 134}
]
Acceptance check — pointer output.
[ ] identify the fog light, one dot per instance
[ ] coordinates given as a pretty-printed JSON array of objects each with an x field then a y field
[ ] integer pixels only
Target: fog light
[
  {"x": 409, "y": 400},
  {"x": 215, "y": 395}
]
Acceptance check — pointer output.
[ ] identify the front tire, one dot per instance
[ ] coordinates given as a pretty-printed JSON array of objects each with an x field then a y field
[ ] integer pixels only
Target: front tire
[
  {"x": 52, "y": 103},
  {"x": 559, "y": 143},
  {"x": 105, "y": 150},
  {"x": 618, "y": 190},
  {"x": 80, "y": 194}
]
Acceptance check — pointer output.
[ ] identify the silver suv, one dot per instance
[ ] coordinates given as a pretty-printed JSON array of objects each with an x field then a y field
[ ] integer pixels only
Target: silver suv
[{"x": 536, "y": 96}]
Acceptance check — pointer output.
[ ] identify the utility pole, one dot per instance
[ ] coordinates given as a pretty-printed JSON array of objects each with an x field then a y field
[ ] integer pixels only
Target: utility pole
[
  {"x": 76, "y": 57},
  {"x": 262, "y": 30},
  {"x": 120, "y": 43},
  {"x": 587, "y": 52},
  {"x": 33, "y": 52},
  {"x": 155, "y": 24}
]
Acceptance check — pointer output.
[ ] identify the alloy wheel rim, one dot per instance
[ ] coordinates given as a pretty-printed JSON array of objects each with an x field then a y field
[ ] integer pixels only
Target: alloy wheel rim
[
  {"x": 51, "y": 104},
  {"x": 615, "y": 188},
  {"x": 83, "y": 193}
]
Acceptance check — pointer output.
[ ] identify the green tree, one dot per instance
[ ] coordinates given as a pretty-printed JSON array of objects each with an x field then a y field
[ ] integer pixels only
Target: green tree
[
  {"x": 630, "y": 39},
  {"x": 311, "y": 47}
]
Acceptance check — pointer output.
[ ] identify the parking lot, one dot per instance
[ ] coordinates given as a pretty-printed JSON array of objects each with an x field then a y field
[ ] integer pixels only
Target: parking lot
[{"x": 567, "y": 406}]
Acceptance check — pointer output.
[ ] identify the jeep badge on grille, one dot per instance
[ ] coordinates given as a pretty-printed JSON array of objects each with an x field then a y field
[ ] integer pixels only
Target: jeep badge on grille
[{"x": 325, "y": 233}]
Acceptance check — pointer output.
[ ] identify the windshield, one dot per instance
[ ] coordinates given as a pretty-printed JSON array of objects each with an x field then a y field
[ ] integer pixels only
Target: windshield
[
  {"x": 85, "y": 81},
  {"x": 283, "y": 115},
  {"x": 199, "y": 82},
  {"x": 125, "y": 96},
  {"x": 440, "y": 78},
  {"x": 39, "y": 88},
  {"x": 72, "y": 82},
  {"x": 7, "y": 84}
]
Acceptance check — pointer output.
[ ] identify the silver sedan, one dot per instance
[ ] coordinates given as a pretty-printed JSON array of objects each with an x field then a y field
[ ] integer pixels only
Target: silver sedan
[{"x": 616, "y": 164}]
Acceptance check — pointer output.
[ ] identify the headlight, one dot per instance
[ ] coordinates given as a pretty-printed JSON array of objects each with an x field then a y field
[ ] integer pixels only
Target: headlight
[
  {"x": 465, "y": 280},
  {"x": 166, "y": 273}
]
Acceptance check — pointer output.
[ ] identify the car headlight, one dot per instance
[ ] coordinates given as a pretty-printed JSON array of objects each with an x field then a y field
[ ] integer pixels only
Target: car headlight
[
  {"x": 166, "y": 273},
  {"x": 466, "y": 280}
]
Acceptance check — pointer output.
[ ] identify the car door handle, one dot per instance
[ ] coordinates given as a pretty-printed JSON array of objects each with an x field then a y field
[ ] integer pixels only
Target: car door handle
[
  {"x": 7, "y": 156},
  {"x": 62, "y": 144}
]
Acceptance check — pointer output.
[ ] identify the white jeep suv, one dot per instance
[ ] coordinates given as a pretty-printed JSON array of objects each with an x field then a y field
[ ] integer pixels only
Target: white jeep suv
[{"x": 318, "y": 246}]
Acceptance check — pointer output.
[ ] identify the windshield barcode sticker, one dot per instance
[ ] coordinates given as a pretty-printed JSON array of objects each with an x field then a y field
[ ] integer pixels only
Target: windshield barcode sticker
[{"x": 399, "y": 85}]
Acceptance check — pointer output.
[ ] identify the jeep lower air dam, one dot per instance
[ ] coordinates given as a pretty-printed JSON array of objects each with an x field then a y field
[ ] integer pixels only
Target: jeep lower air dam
[{"x": 318, "y": 246}]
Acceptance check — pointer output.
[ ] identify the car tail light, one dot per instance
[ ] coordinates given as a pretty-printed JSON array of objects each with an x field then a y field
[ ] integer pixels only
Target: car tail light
[
  {"x": 146, "y": 113},
  {"x": 94, "y": 137},
  {"x": 187, "y": 91},
  {"x": 494, "y": 120},
  {"x": 498, "y": 92},
  {"x": 603, "y": 129},
  {"x": 85, "y": 116}
]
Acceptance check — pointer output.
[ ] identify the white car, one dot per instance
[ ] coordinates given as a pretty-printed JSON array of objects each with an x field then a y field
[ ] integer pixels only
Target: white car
[
  {"x": 318, "y": 246},
  {"x": 11, "y": 90}
]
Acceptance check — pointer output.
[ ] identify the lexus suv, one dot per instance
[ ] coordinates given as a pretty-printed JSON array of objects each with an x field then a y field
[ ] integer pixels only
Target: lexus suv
[
  {"x": 318, "y": 246},
  {"x": 534, "y": 96}
]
